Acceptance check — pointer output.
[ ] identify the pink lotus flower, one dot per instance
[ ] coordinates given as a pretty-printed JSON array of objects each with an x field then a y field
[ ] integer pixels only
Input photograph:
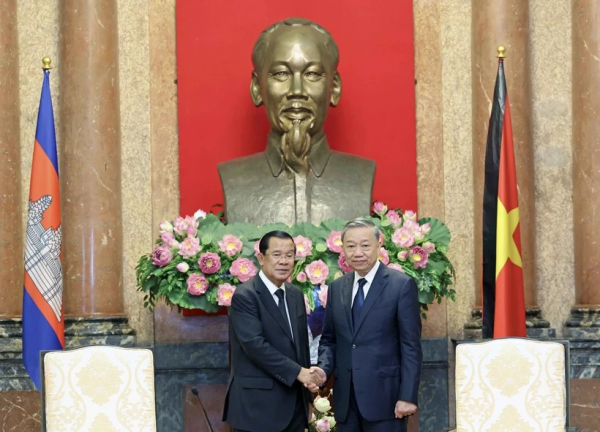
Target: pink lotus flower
[
  {"x": 317, "y": 272},
  {"x": 394, "y": 218},
  {"x": 410, "y": 215},
  {"x": 403, "y": 237},
  {"x": 411, "y": 225},
  {"x": 243, "y": 269},
  {"x": 183, "y": 267},
  {"x": 165, "y": 227},
  {"x": 168, "y": 239},
  {"x": 403, "y": 255},
  {"x": 426, "y": 227},
  {"x": 343, "y": 265},
  {"x": 301, "y": 277},
  {"x": 395, "y": 266},
  {"x": 303, "y": 246},
  {"x": 323, "y": 292},
  {"x": 200, "y": 214},
  {"x": 189, "y": 247},
  {"x": 181, "y": 225},
  {"x": 224, "y": 294},
  {"x": 209, "y": 263},
  {"x": 334, "y": 241},
  {"x": 383, "y": 256},
  {"x": 197, "y": 284},
  {"x": 307, "y": 305},
  {"x": 380, "y": 208},
  {"x": 419, "y": 236},
  {"x": 429, "y": 247},
  {"x": 230, "y": 245},
  {"x": 161, "y": 256},
  {"x": 323, "y": 425},
  {"x": 419, "y": 257},
  {"x": 256, "y": 248},
  {"x": 191, "y": 231}
]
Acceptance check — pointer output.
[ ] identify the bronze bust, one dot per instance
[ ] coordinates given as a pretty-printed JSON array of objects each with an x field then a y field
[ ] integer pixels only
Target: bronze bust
[{"x": 298, "y": 178}]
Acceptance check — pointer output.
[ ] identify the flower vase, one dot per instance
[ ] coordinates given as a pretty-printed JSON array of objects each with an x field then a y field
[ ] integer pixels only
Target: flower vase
[
  {"x": 200, "y": 312},
  {"x": 315, "y": 320}
]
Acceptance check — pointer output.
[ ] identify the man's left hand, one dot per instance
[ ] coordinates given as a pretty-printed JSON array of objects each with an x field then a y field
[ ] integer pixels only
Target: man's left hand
[{"x": 404, "y": 409}]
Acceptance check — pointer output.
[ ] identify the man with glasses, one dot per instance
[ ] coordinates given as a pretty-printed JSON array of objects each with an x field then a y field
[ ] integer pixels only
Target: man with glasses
[{"x": 270, "y": 360}]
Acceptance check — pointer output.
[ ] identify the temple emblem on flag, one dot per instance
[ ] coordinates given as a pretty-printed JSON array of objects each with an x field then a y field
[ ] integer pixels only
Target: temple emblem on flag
[{"x": 42, "y": 255}]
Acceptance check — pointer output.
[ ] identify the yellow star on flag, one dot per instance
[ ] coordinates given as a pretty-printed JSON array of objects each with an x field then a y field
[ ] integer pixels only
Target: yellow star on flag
[{"x": 506, "y": 248}]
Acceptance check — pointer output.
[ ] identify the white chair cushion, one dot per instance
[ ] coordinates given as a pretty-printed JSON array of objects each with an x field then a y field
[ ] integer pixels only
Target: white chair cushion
[
  {"x": 99, "y": 389},
  {"x": 510, "y": 385}
]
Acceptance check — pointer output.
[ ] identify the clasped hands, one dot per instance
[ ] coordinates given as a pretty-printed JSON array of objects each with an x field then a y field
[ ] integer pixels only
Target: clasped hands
[{"x": 312, "y": 378}]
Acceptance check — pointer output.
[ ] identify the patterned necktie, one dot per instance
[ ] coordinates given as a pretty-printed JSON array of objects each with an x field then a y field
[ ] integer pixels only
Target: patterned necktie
[
  {"x": 359, "y": 301},
  {"x": 280, "y": 295}
]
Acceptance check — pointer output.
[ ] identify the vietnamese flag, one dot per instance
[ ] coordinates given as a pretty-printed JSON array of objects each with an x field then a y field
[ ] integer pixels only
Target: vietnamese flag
[{"x": 503, "y": 290}]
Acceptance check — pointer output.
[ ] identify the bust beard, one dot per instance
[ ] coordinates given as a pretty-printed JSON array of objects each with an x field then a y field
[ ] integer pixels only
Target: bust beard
[{"x": 295, "y": 144}]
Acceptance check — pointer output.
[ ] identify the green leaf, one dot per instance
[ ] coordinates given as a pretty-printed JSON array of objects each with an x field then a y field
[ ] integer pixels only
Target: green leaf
[
  {"x": 333, "y": 225},
  {"x": 439, "y": 234},
  {"x": 426, "y": 297}
]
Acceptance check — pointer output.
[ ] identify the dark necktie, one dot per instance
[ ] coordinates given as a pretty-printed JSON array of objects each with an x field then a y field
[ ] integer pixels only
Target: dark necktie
[
  {"x": 280, "y": 295},
  {"x": 359, "y": 301}
]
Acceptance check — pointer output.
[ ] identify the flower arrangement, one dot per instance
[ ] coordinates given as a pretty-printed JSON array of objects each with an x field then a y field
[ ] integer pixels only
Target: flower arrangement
[
  {"x": 322, "y": 419},
  {"x": 198, "y": 260}
]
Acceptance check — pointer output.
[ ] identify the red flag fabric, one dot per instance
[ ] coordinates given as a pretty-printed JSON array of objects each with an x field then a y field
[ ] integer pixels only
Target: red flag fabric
[{"x": 503, "y": 288}]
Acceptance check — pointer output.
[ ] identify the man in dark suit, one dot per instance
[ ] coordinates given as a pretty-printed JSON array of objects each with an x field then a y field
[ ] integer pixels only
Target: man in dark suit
[
  {"x": 268, "y": 336},
  {"x": 371, "y": 339}
]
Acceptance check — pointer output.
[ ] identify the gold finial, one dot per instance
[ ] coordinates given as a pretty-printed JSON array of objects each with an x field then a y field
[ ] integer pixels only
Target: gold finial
[
  {"x": 501, "y": 51},
  {"x": 46, "y": 61}
]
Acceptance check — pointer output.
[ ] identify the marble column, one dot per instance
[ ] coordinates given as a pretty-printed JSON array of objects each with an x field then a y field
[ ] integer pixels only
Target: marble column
[
  {"x": 11, "y": 219},
  {"x": 505, "y": 22},
  {"x": 90, "y": 158},
  {"x": 584, "y": 322}
]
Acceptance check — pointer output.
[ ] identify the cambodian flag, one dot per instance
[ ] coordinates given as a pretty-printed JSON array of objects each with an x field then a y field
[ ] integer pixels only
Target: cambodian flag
[{"x": 43, "y": 320}]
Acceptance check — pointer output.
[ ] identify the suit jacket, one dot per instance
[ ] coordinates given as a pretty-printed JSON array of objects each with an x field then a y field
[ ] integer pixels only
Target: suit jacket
[
  {"x": 265, "y": 360},
  {"x": 382, "y": 354}
]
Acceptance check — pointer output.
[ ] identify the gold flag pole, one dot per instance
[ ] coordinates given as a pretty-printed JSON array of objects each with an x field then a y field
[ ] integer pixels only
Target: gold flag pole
[
  {"x": 501, "y": 51},
  {"x": 46, "y": 61}
]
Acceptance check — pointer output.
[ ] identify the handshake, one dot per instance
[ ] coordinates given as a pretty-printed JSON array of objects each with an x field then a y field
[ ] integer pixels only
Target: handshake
[{"x": 312, "y": 378}]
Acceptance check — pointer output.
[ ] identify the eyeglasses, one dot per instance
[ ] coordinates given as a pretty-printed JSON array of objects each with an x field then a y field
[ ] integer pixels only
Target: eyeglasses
[{"x": 278, "y": 256}]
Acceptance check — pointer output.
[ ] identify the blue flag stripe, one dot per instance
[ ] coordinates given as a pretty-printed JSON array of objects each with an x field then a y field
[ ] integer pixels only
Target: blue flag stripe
[
  {"x": 45, "y": 133},
  {"x": 40, "y": 337}
]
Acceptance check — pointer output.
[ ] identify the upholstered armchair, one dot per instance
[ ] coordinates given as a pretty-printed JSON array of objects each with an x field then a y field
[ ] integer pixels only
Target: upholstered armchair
[
  {"x": 98, "y": 389},
  {"x": 512, "y": 384}
]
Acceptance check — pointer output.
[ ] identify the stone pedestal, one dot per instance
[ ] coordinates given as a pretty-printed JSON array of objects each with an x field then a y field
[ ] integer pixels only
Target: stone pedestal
[
  {"x": 79, "y": 332},
  {"x": 537, "y": 326}
]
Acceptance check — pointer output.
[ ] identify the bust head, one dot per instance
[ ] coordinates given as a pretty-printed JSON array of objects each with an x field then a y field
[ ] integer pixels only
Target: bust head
[{"x": 295, "y": 76}]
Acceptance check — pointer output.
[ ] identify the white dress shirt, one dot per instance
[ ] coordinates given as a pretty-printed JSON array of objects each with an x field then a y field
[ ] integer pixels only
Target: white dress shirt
[
  {"x": 369, "y": 277},
  {"x": 273, "y": 289}
]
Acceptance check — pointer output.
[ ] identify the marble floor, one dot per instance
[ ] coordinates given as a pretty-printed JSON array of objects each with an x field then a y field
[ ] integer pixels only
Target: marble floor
[{"x": 20, "y": 411}]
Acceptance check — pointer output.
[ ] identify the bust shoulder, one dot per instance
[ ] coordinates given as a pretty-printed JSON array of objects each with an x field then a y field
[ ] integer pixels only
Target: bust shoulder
[{"x": 243, "y": 168}]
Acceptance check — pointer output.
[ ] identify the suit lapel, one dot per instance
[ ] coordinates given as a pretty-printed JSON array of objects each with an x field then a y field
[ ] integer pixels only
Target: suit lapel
[
  {"x": 379, "y": 283},
  {"x": 347, "y": 298},
  {"x": 267, "y": 298}
]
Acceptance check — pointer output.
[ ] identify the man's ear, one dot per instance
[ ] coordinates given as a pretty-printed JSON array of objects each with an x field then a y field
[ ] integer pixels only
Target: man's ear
[
  {"x": 261, "y": 259},
  {"x": 255, "y": 90},
  {"x": 336, "y": 89}
]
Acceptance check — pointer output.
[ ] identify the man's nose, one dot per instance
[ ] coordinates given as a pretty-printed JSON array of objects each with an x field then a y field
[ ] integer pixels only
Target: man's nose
[{"x": 297, "y": 89}]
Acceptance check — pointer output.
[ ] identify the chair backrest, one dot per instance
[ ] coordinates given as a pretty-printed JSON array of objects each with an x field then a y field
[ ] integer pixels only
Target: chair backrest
[
  {"x": 512, "y": 384},
  {"x": 98, "y": 389}
]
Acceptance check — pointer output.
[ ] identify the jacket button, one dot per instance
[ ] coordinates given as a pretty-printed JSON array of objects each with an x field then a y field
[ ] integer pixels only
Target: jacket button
[{"x": 353, "y": 346}]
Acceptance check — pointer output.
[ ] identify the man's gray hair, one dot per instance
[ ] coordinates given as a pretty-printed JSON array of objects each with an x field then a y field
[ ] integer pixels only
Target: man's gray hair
[
  {"x": 262, "y": 42},
  {"x": 361, "y": 223}
]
